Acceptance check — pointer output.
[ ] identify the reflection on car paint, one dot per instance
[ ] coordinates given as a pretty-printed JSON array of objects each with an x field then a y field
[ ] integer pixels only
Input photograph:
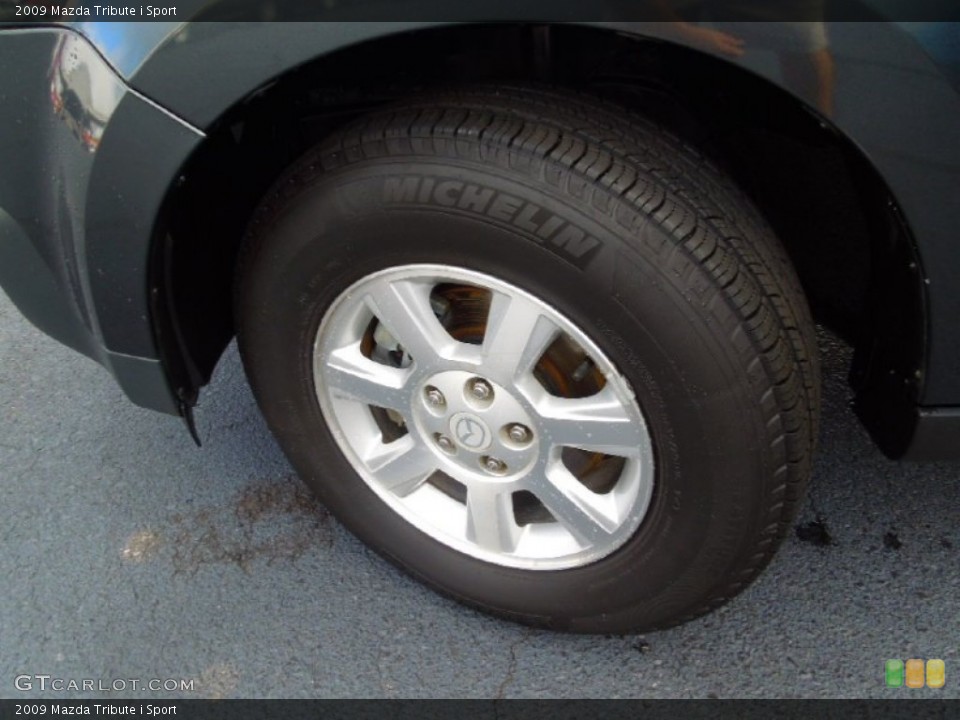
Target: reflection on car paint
[{"x": 81, "y": 96}]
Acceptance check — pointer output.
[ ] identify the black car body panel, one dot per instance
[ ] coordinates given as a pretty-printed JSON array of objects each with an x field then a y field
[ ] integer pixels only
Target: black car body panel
[
  {"x": 93, "y": 161},
  {"x": 101, "y": 118}
]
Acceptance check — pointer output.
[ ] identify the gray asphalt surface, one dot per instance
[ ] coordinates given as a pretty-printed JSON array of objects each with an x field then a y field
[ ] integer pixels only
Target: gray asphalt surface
[{"x": 125, "y": 552}]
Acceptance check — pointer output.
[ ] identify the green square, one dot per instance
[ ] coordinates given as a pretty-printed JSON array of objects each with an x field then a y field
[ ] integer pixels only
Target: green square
[{"x": 893, "y": 672}]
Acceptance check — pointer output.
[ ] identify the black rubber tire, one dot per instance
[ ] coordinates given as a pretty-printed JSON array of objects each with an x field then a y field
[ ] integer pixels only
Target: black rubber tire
[{"x": 668, "y": 267}]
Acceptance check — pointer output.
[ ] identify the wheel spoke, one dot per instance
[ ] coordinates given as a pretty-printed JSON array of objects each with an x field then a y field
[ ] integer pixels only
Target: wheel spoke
[
  {"x": 517, "y": 335},
  {"x": 599, "y": 423},
  {"x": 490, "y": 521},
  {"x": 352, "y": 376},
  {"x": 401, "y": 466},
  {"x": 404, "y": 307},
  {"x": 583, "y": 513}
]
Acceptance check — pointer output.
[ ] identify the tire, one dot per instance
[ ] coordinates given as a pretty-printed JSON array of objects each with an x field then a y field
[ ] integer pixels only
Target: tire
[{"x": 675, "y": 332}]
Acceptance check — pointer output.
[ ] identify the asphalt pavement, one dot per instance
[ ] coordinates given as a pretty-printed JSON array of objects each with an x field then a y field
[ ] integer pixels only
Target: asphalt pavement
[{"x": 127, "y": 553}]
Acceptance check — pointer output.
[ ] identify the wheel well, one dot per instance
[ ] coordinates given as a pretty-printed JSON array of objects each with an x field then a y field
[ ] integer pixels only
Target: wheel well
[{"x": 824, "y": 199}]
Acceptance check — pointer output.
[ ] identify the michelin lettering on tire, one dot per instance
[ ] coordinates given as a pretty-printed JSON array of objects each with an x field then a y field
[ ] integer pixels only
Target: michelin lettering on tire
[{"x": 567, "y": 240}]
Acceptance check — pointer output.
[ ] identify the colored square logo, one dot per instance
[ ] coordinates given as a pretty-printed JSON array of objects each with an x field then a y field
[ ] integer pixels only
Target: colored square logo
[
  {"x": 914, "y": 674},
  {"x": 893, "y": 673},
  {"x": 936, "y": 674}
]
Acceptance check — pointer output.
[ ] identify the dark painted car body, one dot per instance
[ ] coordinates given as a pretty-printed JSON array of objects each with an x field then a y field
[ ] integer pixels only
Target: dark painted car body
[{"x": 101, "y": 120}]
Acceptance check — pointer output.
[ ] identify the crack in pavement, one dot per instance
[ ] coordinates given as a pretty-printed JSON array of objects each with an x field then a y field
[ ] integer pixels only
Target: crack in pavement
[{"x": 512, "y": 667}]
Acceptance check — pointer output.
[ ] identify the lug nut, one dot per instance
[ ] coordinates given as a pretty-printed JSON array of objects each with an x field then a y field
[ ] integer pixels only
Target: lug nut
[
  {"x": 435, "y": 398},
  {"x": 480, "y": 389},
  {"x": 493, "y": 466},
  {"x": 445, "y": 444},
  {"x": 518, "y": 433}
]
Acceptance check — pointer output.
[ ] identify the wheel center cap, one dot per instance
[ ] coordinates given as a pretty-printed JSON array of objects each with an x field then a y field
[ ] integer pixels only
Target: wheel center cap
[
  {"x": 470, "y": 431},
  {"x": 477, "y": 436}
]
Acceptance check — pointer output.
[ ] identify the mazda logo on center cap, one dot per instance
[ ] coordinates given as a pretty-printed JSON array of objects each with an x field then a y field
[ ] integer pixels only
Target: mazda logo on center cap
[{"x": 471, "y": 432}]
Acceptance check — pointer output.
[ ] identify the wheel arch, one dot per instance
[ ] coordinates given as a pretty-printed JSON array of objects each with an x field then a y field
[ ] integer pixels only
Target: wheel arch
[{"x": 882, "y": 307}]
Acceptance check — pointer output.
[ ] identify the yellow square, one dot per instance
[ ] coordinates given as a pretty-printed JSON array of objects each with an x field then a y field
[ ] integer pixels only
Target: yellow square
[
  {"x": 936, "y": 673},
  {"x": 914, "y": 674}
]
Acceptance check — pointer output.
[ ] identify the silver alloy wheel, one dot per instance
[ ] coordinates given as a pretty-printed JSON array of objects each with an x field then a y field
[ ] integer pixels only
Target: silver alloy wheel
[{"x": 473, "y": 431}]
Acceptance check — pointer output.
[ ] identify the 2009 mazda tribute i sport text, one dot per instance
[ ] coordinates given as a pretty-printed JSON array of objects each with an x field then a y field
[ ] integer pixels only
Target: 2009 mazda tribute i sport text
[{"x": 529, "y": 304}]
